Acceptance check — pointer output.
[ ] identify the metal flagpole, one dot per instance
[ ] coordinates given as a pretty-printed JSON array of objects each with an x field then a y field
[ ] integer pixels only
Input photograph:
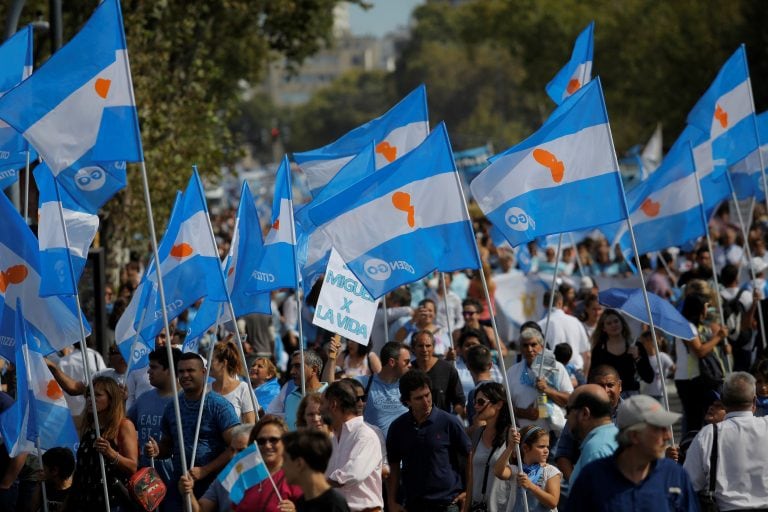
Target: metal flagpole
[
  {"x": 447, "y": 313},
  {"x": 209, "y": 360},
  {"x": 83, "y": 346},
  {"x": 711, "y": 251},
  {"x": 298, "y": 288},
  {"x": 26, "y": 191},
  {"x": 231, "y": 308},
  {"x": 493, "y": 323},
  {"x": 386, "y": 319},
  {"x": 42, "y": 481},
  {"x": 631, "y": 229},
  {"x": 551, "y": 302}
]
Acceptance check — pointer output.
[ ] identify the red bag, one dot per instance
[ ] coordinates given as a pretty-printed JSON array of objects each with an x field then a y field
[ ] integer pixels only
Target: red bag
[{"x": 146, "y": 489}]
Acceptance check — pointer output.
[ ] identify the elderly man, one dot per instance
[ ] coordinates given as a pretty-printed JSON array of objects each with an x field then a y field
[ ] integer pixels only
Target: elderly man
[
  {"x": 286, "y": 403},
  {"x": 637, "y": 477},
  {"x": 741, "y": 450}
]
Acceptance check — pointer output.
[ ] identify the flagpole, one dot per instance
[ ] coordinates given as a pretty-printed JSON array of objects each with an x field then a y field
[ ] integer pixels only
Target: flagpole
[
  {"x": 709, "y": 246},
  {"x": 269, "y": 475},
  {"x": 254, "y": 402},
  {"x": 578, "y": 259},
  {"x": 207, "y": 374},
  {"x": 83, "y": 346},
  {"x": 447, "y": 313},
  {"x": 298, "y": 288},
  {"x": 26, "y": 191},
  {"x": 493, "y": 319},
  {"x": 749, "y": 257},
  {"x": 551, "y": 300},
  {"x": 386, "y": 319},
  {"x": 757, "y": 131},
  {"x": 42, "y": 482},
  {"x": 631, "y": 229}
]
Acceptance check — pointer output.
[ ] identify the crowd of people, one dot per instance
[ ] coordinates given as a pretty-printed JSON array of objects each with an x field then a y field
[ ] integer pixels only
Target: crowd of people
[{"x": 424, "y": 418}]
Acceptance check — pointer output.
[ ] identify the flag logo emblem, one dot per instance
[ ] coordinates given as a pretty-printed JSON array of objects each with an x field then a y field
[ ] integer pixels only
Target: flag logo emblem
[
  {"x": 386, "y": 150},
  {"x": 91, "y": 178},
  {"x": 377, "y": 269},
  {"x": 650, "y": 207},
  {"x": 13, "y": 275},
  {"x": 722, "y": 116},
  {"x": 573, "y": 86},
  {"x": 53, "y": 390},
  {"x": 402, "y": 201},
  {"x": 550, "y": 161},
  {"x": 276, "y": 224},
  {"x": 102, "y": 87},
  {"x": 518, "y": 220},
  {"x": 182, "y": 250}
]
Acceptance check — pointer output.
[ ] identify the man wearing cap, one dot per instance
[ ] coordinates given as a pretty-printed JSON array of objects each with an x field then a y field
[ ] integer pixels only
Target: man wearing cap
[
  {"x": 742, "y": 450},
  {"x": 637, "y": 477}
]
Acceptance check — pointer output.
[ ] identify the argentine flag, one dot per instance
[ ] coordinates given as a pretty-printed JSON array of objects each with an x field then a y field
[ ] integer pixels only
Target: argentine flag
[
  {"x": 16, "y": 56},
  {"x": 57, "y": 276},
  {"x": 665, "y": 209},
  {"x": 398, "y": 131},
  {"x": 245, "y": 470},
  {"x": 562, "y": 178},
  {"x": 40, "y": 413},
  {"x": 404, "y": 221},
  {"x": 578, "y": 70},
  {"x": 244, "y": 252},
  {"x": 52, "y": 321},
  {"x": 746, "y": 174}
]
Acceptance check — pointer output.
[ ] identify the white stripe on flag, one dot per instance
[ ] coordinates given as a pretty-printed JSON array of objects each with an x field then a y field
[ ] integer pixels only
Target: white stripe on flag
[
  {"x": 283, "y": 232},
  {"x": 734, "y": 106},
  {"x": 677, "y": 197},
  {"x": 403, "y": 139},
  {"x": 81, "y": 228}
]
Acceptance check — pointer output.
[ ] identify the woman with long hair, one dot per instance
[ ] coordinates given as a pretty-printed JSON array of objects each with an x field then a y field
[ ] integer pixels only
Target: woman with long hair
[
  {"x": 612, "y": 345},
  {"x": 268, "y": 434},
  {"x": 225, "y": 368},
  {"x": 488, "y": 446},
  {"x": 118, "y": 445},
  {"x": 591, "y": 314},
  {"x": 359, "y": 361},
  {"x": 691, "y": 388},
  {"x": 309, "y": 414}
]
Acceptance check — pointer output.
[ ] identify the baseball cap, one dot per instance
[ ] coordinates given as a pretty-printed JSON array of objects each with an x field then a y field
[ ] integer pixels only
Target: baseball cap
[{"x": 644, "y": 409}]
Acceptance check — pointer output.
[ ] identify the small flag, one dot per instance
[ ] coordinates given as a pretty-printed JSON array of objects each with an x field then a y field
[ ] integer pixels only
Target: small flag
[
  {"x": 578, "y": 71},
  {"x": 245, "y": 470}
]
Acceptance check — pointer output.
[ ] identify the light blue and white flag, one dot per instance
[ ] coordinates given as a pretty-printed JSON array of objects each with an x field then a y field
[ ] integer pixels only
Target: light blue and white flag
[
  {"x": 548, "y": 183},
  {"x": 276, "y": 265},
  {"x": 725, "y": 112},
  {"x": 244, "y": 253},
  {"x": 711, "y": 172},
  {"x": 746, "y": 176},
  {"x": 578, "y": 71},
  {"x": 398, "y": 131},
  {"x": 53, "y": 322},
  {"x": 404, "y": 221},
  {"x": 245, "y": 470},
  {"x": 40, "y": 415},
  {"x": 665, "y": 209},
  {"x": 16, "y": 56},
  {"x": 61, "y": 269}
]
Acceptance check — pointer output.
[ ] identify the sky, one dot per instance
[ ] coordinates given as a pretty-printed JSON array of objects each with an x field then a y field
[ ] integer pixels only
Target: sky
[{"x": 383, "y": 17}]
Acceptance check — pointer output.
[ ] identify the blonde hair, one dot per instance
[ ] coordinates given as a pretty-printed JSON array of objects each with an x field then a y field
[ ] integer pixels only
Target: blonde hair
[{"x": 115, "y": 413}]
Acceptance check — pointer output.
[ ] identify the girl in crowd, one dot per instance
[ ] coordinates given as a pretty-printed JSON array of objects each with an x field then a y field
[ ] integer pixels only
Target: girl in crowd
[
  {"x": 488, "y": 447},
  {"x": 424, "y": 320},
  {"x": 359, "y": 360},
  {"x": 592, "y": 312},
  {"x": 118, "y": 445},
  {"x": 268, "y": 434},
  {"x": 225, "y": 367},
  {"x": 308, "y": 414},
  {"x": 539, "y": 482},
  {"x": 263, "y": 375},
  {"x": 612, "y": 345}
]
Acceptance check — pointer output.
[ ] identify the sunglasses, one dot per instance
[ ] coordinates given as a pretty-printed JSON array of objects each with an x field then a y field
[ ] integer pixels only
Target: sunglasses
[
  {"x": 481, "y": 401},
  {"x": 468, "y": 313},
  {"x": 264, "y": 440},
  {"x": 362, "y": 398}
]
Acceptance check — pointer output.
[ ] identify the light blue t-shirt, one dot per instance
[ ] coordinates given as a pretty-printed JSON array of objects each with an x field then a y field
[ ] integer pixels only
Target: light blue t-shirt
[
  {"x": 147, "y": 415},
  {"x": 383, "y": 405},
  {"x": 600, "y": 442}
]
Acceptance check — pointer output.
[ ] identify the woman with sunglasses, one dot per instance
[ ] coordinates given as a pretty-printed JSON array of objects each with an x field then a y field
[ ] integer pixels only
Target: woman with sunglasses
[
  {"x": 471, "y": 310},
  {"x": 488, "y": 444},
  {"x": 268, "y": 434}
]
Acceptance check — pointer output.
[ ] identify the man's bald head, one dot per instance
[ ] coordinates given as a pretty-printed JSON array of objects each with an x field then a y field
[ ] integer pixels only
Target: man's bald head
[{"x": 588, "y": 407}]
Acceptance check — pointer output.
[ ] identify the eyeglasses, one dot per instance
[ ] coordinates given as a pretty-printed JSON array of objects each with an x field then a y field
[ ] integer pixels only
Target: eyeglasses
[
  {"x": 468, "y": 313},
  {"x": 481, "y": 401},
  {"x": 569, "y": 408},
  {"x": 530, "y": 345},
  {"x": 264, "y": 440},
  {"x": 362, "y": 398}
]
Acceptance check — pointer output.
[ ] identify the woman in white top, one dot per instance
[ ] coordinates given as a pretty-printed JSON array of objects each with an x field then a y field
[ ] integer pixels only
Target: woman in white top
[
  {"x": 424, "y": 320},
  {"x": 360, "y": 361},
  {"x": 225, "y": 368}
]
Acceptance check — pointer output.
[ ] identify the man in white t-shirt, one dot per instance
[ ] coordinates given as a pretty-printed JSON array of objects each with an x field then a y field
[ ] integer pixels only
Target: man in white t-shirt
[{"x": 564, "y": 328}]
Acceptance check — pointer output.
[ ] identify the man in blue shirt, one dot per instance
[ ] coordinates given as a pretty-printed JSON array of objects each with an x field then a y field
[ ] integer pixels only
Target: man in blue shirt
[
  {"x": 637, "y": 478},
  {"x": 430, "y": 443},
  {"x": 589, "y": 418},
  {"x": 383, "y": 404}
]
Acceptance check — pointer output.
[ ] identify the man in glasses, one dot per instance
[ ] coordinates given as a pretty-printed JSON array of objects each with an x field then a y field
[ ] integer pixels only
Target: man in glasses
[{"x": 355, "y": 464}]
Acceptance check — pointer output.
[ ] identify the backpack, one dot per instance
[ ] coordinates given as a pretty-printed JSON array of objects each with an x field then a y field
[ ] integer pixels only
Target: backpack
[{"x": 733, "y": 310}]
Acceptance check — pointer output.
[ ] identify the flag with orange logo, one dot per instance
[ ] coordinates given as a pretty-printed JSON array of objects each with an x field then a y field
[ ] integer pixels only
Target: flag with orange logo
[
  {"x": 746, "y": 174},
  {"x": 78, "y": 109},
  {"x": 404, "y": 221},
  {"x": 578, "y": 71},
  {"x": 551, "y": 183},
  {"x": 40, "y": 413},
  {"x": 726, "y": 111},
  {"x": 53, "y": 321},
  {"x": 398, "y": 131}
]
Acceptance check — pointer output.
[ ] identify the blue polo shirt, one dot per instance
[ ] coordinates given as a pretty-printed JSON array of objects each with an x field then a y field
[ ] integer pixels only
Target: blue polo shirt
[
  {"x": 602, "y": 487},
  {"x": 599, "y": 442},
  {"x": 429, "y": 453}
]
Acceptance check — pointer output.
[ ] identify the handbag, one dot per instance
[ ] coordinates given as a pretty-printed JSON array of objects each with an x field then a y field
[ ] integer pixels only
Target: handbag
[
  {"x": 146, "y": 488},
  {"x": 711, "y": 370},
  {"x": 707, "y": 501}
]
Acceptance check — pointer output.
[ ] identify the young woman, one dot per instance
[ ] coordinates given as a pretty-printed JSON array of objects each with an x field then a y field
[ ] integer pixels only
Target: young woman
[
  {"x": 225, "y": 368},
  {"x": 118, "y": 445},
  {"x": 539, "y": 481},
  {"x": 359, "y": 361},
  {"x": 308, "y": 414}
]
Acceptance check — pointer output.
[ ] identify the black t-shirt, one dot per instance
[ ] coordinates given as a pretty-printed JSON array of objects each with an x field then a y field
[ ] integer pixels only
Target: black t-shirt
[{"x": 330, "y": 501}]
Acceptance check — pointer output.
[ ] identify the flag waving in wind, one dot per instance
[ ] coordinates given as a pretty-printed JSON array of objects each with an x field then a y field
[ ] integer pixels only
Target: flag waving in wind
[
  {"x": 245, "y": 470},
  {"x": 40, "y": 414},
  {"x": 549, "y": 183},
  {"x": 746, "y": 174},
  {"x": 578, "y": 71},
  {"x": 16, "y": 56},
  {"x": 404, "y": 221},
  {"x": 398, "y": 131}
]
